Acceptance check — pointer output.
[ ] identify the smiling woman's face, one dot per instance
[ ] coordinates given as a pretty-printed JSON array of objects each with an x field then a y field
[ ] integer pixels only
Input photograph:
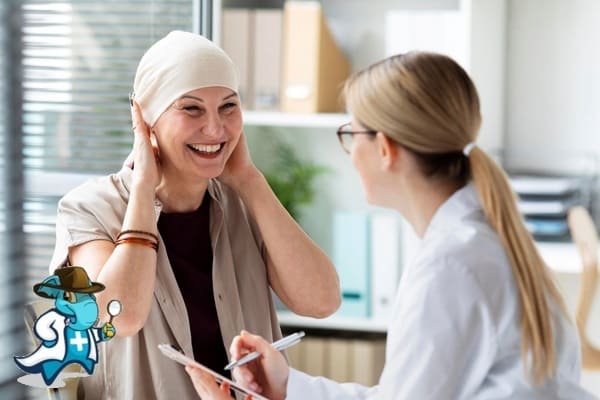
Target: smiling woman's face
[{"x": 198, "y": 132}]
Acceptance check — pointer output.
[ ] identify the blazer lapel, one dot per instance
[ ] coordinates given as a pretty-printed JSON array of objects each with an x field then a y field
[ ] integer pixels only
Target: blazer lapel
[
  {"x": 170, "y": 299},
  {"x": 226, "y": 292}
]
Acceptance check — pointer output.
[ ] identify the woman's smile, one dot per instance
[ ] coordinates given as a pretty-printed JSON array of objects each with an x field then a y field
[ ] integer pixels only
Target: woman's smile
[{"x": 207, "y": 150}]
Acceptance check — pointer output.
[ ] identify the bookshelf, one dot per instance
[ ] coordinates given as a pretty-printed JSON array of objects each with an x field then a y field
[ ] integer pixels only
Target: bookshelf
[
  {"x": 365, "y": 33},
  {"x": 359, "y": 28}
]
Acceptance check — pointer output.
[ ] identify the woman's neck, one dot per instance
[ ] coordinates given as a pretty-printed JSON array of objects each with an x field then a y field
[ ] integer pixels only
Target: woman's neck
[
  {"x": 179, "y": 197},
  {"x": 422, "y": 201}
]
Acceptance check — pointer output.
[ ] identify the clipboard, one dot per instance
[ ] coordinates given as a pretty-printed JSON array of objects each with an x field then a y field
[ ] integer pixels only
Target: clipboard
[{"x": 176, "y": 355}]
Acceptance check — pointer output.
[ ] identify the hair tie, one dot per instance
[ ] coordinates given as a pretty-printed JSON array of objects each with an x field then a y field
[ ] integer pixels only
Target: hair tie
[{"x": 467, "y": 149}]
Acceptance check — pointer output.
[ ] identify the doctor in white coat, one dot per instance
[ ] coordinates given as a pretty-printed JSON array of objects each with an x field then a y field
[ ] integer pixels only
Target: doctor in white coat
[{"x": 477, "y": 315}]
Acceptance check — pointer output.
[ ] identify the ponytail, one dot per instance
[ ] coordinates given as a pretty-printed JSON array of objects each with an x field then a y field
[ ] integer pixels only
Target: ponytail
[{"x": 535, "y": 285}]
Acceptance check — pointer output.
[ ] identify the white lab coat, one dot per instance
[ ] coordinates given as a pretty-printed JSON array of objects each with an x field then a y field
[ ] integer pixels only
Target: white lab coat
[{"x": 454, "y": 332}]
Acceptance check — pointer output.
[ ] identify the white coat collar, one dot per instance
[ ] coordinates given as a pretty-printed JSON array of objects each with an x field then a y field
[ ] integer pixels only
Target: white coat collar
[{"x": 461, "y": 203}]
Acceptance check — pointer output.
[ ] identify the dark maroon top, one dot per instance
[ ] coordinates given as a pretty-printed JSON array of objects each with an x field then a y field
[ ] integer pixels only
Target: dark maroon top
[{"x": 186, "y": 237}]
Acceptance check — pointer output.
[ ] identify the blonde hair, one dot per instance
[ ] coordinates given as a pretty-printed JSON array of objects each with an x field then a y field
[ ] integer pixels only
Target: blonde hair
[{"x": 428, "y": 104}]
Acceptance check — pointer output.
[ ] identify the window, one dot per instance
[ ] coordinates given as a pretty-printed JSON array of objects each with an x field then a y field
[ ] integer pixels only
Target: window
[
  {"x": 70, "y": 120},
  {"x": 12, "y": 289}
]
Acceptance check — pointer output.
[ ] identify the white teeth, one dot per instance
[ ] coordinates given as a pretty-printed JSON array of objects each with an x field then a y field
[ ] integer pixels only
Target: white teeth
[{"x": 206, "y": 148}]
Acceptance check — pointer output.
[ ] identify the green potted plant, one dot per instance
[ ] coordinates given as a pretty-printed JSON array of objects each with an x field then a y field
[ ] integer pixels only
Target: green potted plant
[{"x": 292, "y": 179}]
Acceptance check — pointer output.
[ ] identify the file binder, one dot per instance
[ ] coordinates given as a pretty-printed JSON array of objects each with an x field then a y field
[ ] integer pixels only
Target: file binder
[
  {"x": 386, "y": 244},
  {"x": 268, "y": 29},
  {"x": 351, "y": 259},
  {"x": 237, "y": 41},
  {"x": 314, "y": 67}
]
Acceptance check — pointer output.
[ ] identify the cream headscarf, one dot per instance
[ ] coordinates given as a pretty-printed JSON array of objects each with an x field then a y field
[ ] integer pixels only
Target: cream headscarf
[{"x": 176, "y": 64}]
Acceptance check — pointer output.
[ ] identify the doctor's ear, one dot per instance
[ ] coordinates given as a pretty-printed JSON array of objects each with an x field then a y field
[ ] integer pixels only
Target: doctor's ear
[{"x": 388, "y": 151}]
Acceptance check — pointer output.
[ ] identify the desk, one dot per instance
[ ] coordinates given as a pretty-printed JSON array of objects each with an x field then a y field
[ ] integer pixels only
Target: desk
[{"x": 561, "y": 257}]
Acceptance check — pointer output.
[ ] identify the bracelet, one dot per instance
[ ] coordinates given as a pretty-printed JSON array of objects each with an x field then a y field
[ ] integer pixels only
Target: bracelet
[
  {"x": 152, "y": 235},
  {"x": 138, "y": 240}
]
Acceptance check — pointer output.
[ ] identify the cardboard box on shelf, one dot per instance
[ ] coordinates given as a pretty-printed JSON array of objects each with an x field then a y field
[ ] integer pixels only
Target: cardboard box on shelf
[{"x": 314, "y": 67}]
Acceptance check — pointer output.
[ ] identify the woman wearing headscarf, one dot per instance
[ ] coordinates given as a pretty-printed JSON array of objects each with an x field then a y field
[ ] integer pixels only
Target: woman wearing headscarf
[{"x": 187, "y": 235}]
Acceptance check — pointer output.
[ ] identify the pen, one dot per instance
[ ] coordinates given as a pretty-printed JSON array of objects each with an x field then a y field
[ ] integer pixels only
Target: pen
[{"x": 278, "y": 345}]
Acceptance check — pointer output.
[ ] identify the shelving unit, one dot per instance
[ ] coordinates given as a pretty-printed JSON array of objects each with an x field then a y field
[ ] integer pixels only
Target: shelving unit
[{"x": 359, "y": 28}]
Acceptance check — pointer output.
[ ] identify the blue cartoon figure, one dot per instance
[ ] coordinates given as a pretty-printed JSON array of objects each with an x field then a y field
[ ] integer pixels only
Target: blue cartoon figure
[{"x": 67, "y": 332}]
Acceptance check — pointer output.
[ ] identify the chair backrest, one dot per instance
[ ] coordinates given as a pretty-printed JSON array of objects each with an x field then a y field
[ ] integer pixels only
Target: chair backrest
[
  {"x": 69, "y": 392},
  {"x": 585, "y": 236}
]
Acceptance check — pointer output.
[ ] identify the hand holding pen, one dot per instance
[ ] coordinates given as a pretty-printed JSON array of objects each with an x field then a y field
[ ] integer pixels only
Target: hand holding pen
[
  {"x": 278, "y": 345},
  {"x": 269, "y": 373}
]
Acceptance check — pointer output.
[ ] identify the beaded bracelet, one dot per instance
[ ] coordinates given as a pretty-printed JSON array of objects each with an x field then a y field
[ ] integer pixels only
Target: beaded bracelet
[
  {"x": 125, "y": 232},
  {"x": 138, "y": 240}
]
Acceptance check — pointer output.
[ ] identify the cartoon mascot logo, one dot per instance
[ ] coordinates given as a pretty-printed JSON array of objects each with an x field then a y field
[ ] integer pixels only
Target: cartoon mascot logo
[{"x": 67, "y": 332}]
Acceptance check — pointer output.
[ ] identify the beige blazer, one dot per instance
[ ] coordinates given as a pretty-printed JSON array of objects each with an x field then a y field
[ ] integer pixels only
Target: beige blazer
[{"x": 133, "y": 367}]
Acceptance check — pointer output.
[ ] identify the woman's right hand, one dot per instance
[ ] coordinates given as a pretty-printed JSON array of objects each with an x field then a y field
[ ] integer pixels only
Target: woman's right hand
[
  {"x": 267, "y": 374},
  {"x": 146, "y": 162}
]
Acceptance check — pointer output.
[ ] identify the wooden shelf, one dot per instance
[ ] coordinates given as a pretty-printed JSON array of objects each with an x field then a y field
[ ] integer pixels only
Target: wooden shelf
[{"x": 259, "y": 118}]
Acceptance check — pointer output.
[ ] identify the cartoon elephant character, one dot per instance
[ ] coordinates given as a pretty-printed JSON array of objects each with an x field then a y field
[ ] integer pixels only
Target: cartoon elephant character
[{"x": 67, "y": 331}]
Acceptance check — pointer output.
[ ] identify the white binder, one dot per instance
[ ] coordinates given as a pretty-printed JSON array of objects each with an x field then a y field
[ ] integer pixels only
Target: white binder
[{"x": 385, "y": 262}]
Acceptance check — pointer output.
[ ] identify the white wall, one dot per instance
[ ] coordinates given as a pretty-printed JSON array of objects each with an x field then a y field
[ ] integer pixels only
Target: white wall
[
  {"x": 359, "y": 26},
  {"x": 553, "y": 96},
  {"x": 360, "y": 29},
  {"x": 487, "y": 42},
  {"x": 553, "y": 75}
]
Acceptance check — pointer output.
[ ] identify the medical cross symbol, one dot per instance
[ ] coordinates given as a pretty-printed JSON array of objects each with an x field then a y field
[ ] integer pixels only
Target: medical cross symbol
[{"x": 78, "y": 341}]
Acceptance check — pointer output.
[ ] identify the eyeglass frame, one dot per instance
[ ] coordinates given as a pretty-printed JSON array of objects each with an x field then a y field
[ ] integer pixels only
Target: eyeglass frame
[{"x": 340, "y": 133}]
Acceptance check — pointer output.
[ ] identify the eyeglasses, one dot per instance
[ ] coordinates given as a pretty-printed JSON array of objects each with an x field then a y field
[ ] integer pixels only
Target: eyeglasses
[{"x": 346, "y": 135}]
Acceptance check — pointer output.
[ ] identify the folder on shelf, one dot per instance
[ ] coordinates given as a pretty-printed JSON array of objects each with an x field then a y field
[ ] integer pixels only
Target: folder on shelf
[
  {"x": 385, "y": 261},
  {"x": 314, "y": 67},
  {"x": 339, "y": 362},
  {"x": 294, "y": 355},
  {"x": 237, "y": 41},
  {"x": 369, "y": 357},
  {"x": 268, "y": 27},
  {"x": 351, "y": 259},
  {"x": 313, "y": 362}
]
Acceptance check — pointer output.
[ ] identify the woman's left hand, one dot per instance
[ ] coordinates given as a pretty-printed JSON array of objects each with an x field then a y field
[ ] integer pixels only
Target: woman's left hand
[
  {"x": 207, "y": 387},
  {"x": 239, "y": 166}
]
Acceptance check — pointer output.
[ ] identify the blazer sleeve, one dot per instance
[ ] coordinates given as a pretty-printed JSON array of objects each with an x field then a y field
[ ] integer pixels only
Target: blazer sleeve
[{"x": 92, "y": 211}]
